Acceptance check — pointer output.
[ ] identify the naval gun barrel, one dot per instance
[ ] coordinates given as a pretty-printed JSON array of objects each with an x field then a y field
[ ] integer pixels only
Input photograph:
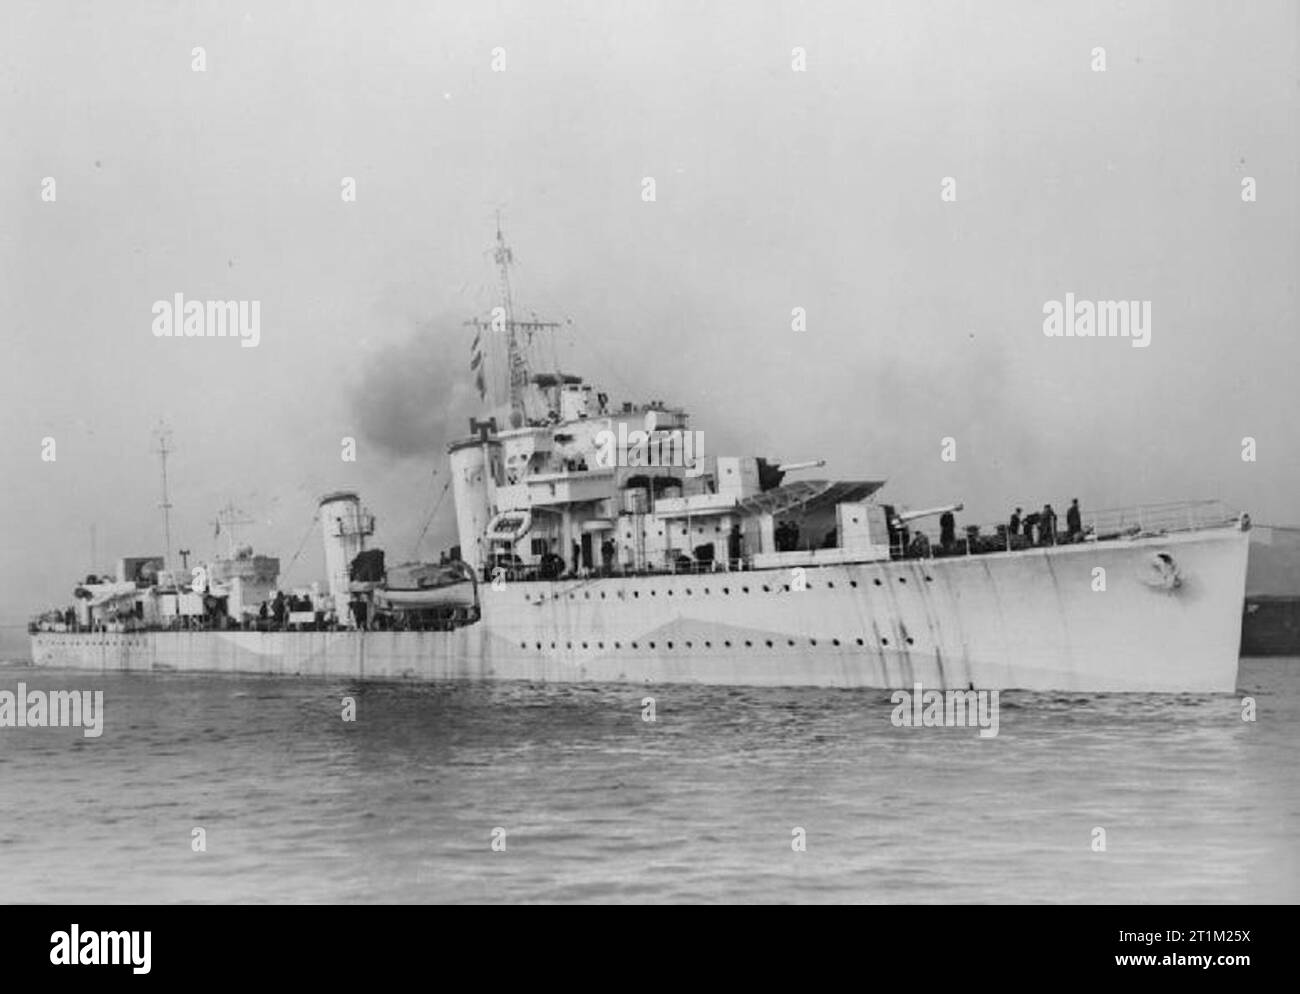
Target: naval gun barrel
[
  {"x": 903, "y": 517},
  {"x": 790, "y": 467}
]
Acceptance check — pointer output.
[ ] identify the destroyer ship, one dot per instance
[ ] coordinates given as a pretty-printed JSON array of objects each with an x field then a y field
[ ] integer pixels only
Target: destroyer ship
[{"x": 599, "y": 541}]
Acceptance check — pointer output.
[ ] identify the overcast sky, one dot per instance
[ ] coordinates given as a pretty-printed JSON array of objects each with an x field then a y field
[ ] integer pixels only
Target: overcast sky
[{"x": 775, "y": 189}]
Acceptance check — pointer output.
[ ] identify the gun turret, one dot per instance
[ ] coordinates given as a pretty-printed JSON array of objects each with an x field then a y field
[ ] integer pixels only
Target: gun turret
[{"x": 903, "y": 517}]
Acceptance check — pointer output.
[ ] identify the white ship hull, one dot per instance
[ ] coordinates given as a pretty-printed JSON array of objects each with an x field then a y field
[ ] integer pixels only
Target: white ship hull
[{"x": 1031, "y": 619}]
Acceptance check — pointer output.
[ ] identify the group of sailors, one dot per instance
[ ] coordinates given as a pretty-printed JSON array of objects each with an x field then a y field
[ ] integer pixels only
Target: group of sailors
[
  {"x": 277, "y": 609},
  {"x": 1022, "y": 531},
  {"x": 1044, "y": 524}
]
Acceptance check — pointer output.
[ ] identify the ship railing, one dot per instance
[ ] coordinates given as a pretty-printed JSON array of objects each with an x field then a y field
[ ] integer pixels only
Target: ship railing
[
  {"x": 1148, "y": 519},
  {"x": 1107, "y": 524},
  {"x": 664, "y": 568}
]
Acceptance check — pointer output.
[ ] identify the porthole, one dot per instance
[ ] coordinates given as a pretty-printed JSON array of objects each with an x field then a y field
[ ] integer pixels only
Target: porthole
[
  {"x": 584, "y": 645},
  {"x": 727, "y": 643},
  {"x": 859, "y": 641},
  {"x": 835, "y": 641},
  {"x": 812, "y": 641},
  {"x": 769, "y": 643},
  {"x": 744, "y": 590},
  {"x": 910, "y": 640},
  {"x": 652, "y": 645},
  {"x": 766, "y": 589},
  {"x": 669, "y": 644},
  {"x": 853, "y": 584},
  {"x": 749, "y": 644},
  {"x": 876, "y": 581},
  {"x": 902, "y": 579},
  {"x": 884, "y": 641}
]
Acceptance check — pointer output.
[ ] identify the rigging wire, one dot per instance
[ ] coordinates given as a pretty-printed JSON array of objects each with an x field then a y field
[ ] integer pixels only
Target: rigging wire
[
  {"x": 550, "y": 304},
  {"x": 301, "y": 545},
  {"x": 588, "y": 345},
  {"x": 429, "y": 520}
]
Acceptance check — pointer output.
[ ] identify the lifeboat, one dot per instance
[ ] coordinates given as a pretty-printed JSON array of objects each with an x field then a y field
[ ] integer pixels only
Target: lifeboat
[
  {"x": 425, "y": 586},
  {"x": 509, "y": 526}
]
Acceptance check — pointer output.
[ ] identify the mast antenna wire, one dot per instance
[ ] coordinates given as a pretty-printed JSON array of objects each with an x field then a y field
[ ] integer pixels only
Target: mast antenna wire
[
  {"x": 429, "y": 520},
  {"x": 310, "y": 528},
  {"x": 588, "y": 345}
]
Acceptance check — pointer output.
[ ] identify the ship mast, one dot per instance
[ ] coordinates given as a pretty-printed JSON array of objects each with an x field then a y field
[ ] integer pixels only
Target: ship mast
[
  {"x": 516, "y": 355},
  {"x": 163, "y": 434},
  {"x": 515, "y": 359}
]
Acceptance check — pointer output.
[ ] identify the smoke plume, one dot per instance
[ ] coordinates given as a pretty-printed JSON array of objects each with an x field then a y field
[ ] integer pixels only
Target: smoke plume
[{"x": 413, "y": 398}]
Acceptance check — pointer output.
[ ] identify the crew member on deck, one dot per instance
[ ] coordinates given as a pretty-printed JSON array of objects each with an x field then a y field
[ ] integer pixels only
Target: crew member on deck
[
  {"x": 1029, "y": 523},
  {"x": 1014, "y": 527},
  {"x": 947, "y": 531},
  {"x": 1047, "y": 526},
  {"x": 1074, "y": 521},
  {"x": 920, "y": 546}
]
